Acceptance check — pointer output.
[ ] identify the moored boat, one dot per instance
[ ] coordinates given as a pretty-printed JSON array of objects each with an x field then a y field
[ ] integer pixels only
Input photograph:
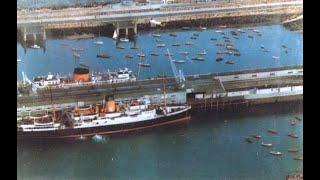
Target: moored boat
[
  {"x": 107, "y": 119},
  {"x": 276, "y": 153},
  {"x": 266, "y": 144},
  {"x": 219, "y": 59},
  {"x": 272, "y": 131},
  {"x": 292, "y": 135},
  {"x": 143, "y": 64},
  {"x": 103, "y": 56}
]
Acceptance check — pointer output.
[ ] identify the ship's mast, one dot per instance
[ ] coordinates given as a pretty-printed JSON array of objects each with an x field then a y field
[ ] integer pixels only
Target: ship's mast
[
  {"x": 53, "y": 108},
  {"x": 164, "y": 93}
]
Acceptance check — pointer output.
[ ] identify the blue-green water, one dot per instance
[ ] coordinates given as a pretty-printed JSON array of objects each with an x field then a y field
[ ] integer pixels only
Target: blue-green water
[
  {"x": 59, "y": 59},
  {"x": 209, "y": 147}
]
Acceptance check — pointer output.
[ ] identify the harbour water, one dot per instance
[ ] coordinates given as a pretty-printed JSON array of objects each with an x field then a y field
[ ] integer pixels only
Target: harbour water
[
  {"x": 210, "y": 146},
  {"x": 58, "y": 56}
]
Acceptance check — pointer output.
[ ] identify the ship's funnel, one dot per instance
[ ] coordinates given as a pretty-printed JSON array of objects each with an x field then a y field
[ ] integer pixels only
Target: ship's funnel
[
  {"x": 111, "y": 106},
  {"x": 81, "y": 74}
]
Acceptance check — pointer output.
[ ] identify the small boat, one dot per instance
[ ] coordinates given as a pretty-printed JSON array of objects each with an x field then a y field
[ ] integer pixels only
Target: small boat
[
  {"x": 154, "y": 54},
  {"x": 237, "y": 54},
  {"x": 298, "y": 158},
  {"x": 293, "y": 122},
  {"x": 197, "y": 58},
  {"x": 124, "y": 40},
  {"x": 156, "y": 35},
  {"x": 229, "y": 52},
  {"x": 77, "y": 49},
  {"x": 293, "y": 150},
  {"x": 292, "y": 135},
  {"x": 98, "y": 138},
  {"x": 272, "y": 131},
  {"x": 240, "y": 30},
  {"x": 144, "y": 64},
  {"x": 227, "y": 41},
  {"x": 178, "y": 61},
  {"x": 141, "y": 55},
  {"x": 203, "y": 28},
  {"x": 76, "y": 55},
  {"x": 134, "y": 47},
  {"x": 213, "y": 39},
  {"x": 219, "y": 52},
  {"x": 223, "y": 26},
  {"x": 128, "y": 56},
  {"x": 18, "y": 60},
  {"x": 229, "y": 47},
  {"x": 119, "y": 47},
  {"x": 225, "y": 37},
  {"x": 188, "y": 43},
  {"x": 229, "y": 62},
  {"x": 184, "y": 53},
  {"x": 195, "y": 34},
  {"x": 35, "y": 46},
  {"x": 284, "y": 46},
  {"x": 219, "y": 59},
  {"x": 248, "y": 140},
  {"x": 161, "y": 45},
  {"x": 176, "y": 44},
  {"x": 83, "y": 65},
  {"x": 218, "y": 31},
  {"x": 249, "y": 36},
  {"x": 256, "y": 136},
  {"x": 266, "y": 144},
  {"x": 98, "y": 42},
  {"x": 259, "y": 34},
  {"x": 298, "y": 118},
  {"x": 250, "y": 29},
  {"x": 192, "y": 37},
  {"x": 202, "y": 53},
  {"x": 235, "y": 37},
  {"x": 173, "y": 34},
  {"x": 103, "y": 56},
  {"x": 276, "y": 153},
  {"x": 219, "y": 44},
  {"x": 275, "y": 57},
  {"x": 159, "y": 40},
  {"x": 185, "y": 28},
  {"x": 256, "y": 31},
  {"x": 262, "y": 46}
]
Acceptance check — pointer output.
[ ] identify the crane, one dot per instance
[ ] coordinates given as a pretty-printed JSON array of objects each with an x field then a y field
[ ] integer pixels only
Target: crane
[{"x": 179, "y": 77}]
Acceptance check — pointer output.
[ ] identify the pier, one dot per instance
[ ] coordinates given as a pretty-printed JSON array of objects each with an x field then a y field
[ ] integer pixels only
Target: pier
[{"x": 203, "y": 92}]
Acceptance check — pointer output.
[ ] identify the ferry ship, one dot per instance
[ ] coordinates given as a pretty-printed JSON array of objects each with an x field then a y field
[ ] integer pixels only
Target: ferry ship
[
  {"x": 81, "y": 76},
  {"x": 109, "y": 118}
]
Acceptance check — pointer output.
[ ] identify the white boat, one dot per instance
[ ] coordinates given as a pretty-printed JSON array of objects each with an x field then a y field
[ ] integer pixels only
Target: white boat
[
  {"x": 266, "y": 144},
  {"x": 98, "y": 42},
  {"x": 161, "y": 45},
  {"x": 218, "y": 31},
  {"x": 203, "y": 28},
  {"x": 124, "y": 40},
  {"x": 156, "y": 35},
  {"x": 277, "y": 153},
  {"x": 178, "y": 61},
  {"x": 18, "y": 60},
  {"x": 141, "y": 55},
  {"x": 184, "y": 53},
  {"x": 275, "y": 57},
  {"x": 76, "y": 55},
  {"x": 35, "y": 46},
  {"x": 203, "y": 53}
]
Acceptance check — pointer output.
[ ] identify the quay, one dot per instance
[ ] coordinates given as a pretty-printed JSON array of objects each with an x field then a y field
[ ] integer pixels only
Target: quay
[{"x": 212, "y": 91}]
